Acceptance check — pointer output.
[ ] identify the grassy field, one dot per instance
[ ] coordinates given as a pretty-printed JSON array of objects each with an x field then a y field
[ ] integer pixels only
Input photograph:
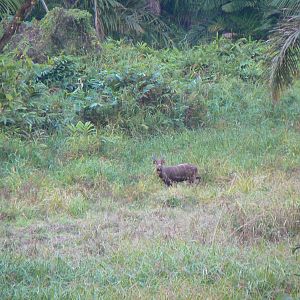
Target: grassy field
[
  {"x": 83, "y": 214},
  {"x": 91, "y": 219}
]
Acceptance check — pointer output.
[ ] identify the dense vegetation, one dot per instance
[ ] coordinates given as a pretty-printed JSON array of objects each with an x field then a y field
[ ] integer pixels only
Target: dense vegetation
[
  {"x": 158, "y": 20},
  {"x": 78, "y": 134},
  {"x": 160, "y": 23},
  {"x": 82, "y": 211},
  {"x": 138, "y": 89}
]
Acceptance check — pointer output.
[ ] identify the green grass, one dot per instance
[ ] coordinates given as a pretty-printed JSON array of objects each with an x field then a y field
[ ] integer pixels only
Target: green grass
[
  {"x": 157, "y": 269},
  {"x": 83, "y": 214},
  {"x": 99, "y": 223}
]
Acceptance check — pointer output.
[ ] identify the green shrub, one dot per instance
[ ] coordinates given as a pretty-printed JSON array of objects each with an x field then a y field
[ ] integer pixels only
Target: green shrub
[{"x": 212, "y": 85}]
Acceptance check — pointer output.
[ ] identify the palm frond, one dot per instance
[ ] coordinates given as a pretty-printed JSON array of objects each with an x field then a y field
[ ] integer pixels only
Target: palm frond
[
  {"x": 156, "y": 30},
  {"x": 219, "y": 24},
  {"x": 195, "y": 34},
  {"x": 130, "y": 18},
  {"x": 238, "y": 5},
  {"x": 9, "y": 6},
  {"x": 291, "y": 6},
  {"x": 286, "y": 55}
]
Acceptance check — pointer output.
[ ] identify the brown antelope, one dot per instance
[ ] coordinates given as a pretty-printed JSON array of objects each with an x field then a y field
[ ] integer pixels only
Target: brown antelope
[{"x": 171, "y": 174}]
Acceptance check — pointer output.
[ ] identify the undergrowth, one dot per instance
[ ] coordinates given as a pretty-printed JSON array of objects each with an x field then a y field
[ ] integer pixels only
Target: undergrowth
[{"x": 139, "y": 90}]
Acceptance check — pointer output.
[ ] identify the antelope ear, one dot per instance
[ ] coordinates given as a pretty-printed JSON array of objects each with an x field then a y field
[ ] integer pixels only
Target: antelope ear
[{"x": 163, "y": 161}]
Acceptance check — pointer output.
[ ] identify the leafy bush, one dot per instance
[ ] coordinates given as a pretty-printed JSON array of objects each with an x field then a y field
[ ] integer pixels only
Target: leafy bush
[
  {"x": 131, "y": 99},
  {"x": 25, "y": 103},
  {"x": 14, "y": 92},
  {"x": 62, "y": 72},
  {"x": 214, "y": 84}
]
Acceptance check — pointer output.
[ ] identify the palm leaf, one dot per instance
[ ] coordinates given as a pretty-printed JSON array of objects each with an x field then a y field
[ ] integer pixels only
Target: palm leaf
[
  {"x": 235, "y": 6},
  {"x": 286, "y": 55},
  {"x": 9, "y": 6},
  {"x": 292, "y": 6},
  {"x": 126, "y": 17},
  {"x": 211, "y": 4}
]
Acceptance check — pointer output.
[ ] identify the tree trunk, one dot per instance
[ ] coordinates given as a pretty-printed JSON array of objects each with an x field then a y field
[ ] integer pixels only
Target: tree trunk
[
  {"x": 154, "y": 6},
  {"x": 98, "y": 22},
  {"x": 16, "y": 22}
]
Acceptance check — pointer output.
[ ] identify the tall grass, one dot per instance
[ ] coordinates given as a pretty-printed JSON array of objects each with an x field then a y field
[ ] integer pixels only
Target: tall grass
[
  {"x": 160, "y": 269},
  {"x": 84, "y": 215}
]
